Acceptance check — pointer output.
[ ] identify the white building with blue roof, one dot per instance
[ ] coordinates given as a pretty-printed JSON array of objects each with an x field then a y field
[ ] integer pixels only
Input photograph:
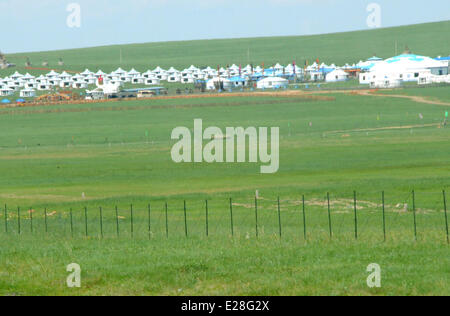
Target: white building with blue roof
[{"x": 403, "y": 68}]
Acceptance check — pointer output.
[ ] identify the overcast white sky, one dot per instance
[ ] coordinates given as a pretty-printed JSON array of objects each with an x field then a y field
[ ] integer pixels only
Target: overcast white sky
[{"x": 35, "y": 25}]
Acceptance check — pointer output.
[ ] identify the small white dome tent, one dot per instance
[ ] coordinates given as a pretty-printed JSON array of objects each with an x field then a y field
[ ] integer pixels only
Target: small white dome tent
[
  {"x": 272, "y": 83},
  {"x": 219, "y": 84},
  {"x": 336, "y": 76}
]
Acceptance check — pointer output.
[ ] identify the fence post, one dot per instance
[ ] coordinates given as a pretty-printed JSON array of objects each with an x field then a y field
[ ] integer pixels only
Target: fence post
[
  {"x": 6, "y": 219},
  {"x": 231, "y": 217},
  {"x": 185, "y": 220},
  {"x": 86, "y": 221},
  {"x": 31, "y": 219},
  {"x": 207, "y": 219},
  {"x": 131, "y": 221},
  {"x": 304, "y": 217},
  {"x": 356, "y": 215},
  {"x": 384, "y": 216},
  {"x": 101, "y": 222},
  {"x": 167, "y": 222},
  {"x": 256, "y": 216},
  {"x": 329, "y": 215},
  {"x": 45, "y": 219},
  {"x": 445, "y": 213},
  {"x": 18, "y": 219},
  {"x": 414, "y": 213},
  {"x": 117, "y": 222},
  {"x": 279, "y": 217},
  {"x": 149, "y": 221},
  {"x": 71, "y": 222}
]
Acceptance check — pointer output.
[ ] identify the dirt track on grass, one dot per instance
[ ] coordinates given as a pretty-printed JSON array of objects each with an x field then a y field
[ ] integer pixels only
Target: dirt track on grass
[
  {"x": 311, "y": 95},
  {"x": 417, "y": 99},
  {"x": 384, "y": 128}
]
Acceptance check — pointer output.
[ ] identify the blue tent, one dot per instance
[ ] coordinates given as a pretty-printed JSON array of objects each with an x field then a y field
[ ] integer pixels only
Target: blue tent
[
  {"x": 6, "y": 101},
  {"x": 20, "y": 100}
]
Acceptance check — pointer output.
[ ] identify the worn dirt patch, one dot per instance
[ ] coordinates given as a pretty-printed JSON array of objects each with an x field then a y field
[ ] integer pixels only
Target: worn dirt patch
[{"x": 417, "y": 99}]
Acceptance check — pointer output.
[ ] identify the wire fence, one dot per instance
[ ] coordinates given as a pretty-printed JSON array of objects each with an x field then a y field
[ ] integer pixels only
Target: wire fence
[{"x": 416, "y": 216}]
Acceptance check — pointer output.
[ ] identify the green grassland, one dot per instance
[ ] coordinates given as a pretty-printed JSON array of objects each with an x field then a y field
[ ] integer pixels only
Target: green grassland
[
  {"x": 66, "y": 169},
  {"x": 427, "y": 39},
  {"x": 431, "y": 93},
  {"x": 70, "y": 149},
  {"x": 52, "y": 154}
]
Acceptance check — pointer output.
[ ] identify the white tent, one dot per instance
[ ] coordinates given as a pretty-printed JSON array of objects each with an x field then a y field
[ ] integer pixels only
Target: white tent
[
  {"x": 336, "y": 75},
  {"x": 86, "y": 73},
  {"x": 172, "y": 70},
  {"x": 65, "y": 76},
  {"x": 79, "y": 85},
  {"x": 133, "y": 73},
  {"x": 406, "y": 68},
  {"x": 52, "y": 74},
  {"x": 41, "y": 79},
  {"x": 174, "y": 77},
  {"x": 187, "y": 79},
  {"x": 272, "y": 83},
  {"x": 148, "y": 74},
  {"x": 54, "y": 81},
  {"x": 119, "y": 72},
  {"x": 30, "y": 85},
  {"x": 193, "y": 68},
  {"x": 6, "y": 92},
  {"x": 151, "y": 81},
  {"x": 100, "y": 73},
  {"x": 28, "y": 77},
  {"x": 138, "y": 80},
  {"x": 16, "y": 76},
  {"x": 77, "y": 78},
  {"x": 218, "y": 84},
  {"x": 66, "y": 83},
  {"x": 158, "y": 70},
  {"x": 44, "y": 87},
  {"x": 27, "y": 93},
  {"x": 91, "y": 79}
]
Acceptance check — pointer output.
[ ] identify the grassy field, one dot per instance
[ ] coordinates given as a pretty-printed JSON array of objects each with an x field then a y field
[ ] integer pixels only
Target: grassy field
[
  {"x": 52, "y": 155},
  {"x": 432, "y": 93},
  {"x": 226, "y": 267}
]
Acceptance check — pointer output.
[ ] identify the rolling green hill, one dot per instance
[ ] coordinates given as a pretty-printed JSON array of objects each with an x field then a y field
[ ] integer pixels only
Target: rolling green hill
[{"x": 427, "y": 39}]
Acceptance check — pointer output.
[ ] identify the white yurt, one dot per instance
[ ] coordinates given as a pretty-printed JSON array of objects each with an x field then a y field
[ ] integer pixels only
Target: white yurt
[
  {"x": 406, "y": 68},
  {"x": 187, "y": 79},
  {"x": 176, "y": 77},
  {"x": 272, "y": 83},
  {"x": 6, "y": 92},
  {"x": 219, "y": 84},
  {"x": 27, "y": 93},
  {"x": 138, "y": 80},
  {"x": 336, "y": 75},
  {"x": 151, "y": 81}
]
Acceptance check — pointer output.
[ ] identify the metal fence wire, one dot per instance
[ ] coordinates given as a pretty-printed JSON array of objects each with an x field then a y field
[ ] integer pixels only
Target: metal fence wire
[{"x": 415, "y": 216}]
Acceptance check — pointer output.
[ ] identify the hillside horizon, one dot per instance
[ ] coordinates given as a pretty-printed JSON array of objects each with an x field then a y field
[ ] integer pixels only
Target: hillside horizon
[
  {"x": 220, "y": 38},
  {"x": 429, "y": 39}
]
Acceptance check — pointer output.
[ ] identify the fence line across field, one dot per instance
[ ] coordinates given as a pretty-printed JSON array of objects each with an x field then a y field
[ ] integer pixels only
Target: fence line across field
[{"x": 300, "y": 211}]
